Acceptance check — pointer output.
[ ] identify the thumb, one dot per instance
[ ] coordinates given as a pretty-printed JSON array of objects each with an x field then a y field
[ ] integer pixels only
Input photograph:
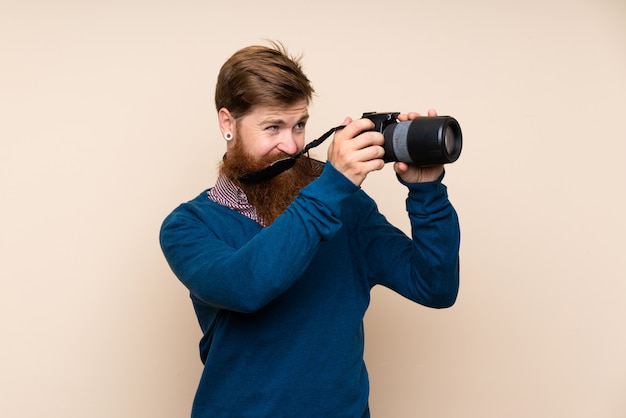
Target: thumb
[{"x": 400, "y": 167}]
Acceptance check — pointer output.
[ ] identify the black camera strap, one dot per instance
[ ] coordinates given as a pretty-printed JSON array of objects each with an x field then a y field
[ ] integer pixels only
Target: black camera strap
[{"x": 285, "y": 164}]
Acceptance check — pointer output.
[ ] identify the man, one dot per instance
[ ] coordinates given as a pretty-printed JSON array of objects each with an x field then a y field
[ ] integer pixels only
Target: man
[{"x": 280, "y": 269}]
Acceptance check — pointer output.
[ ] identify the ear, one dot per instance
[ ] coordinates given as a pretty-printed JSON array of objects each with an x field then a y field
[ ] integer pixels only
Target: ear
[{"x": 226, "y": 121}]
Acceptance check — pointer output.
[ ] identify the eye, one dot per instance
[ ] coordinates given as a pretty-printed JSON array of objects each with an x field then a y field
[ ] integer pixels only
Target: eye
[
  {"x": 301, "y": 125},
  {"x": 272, "y": 128}
]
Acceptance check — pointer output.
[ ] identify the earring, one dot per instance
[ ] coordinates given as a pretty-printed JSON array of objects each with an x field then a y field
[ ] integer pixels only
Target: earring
[{"x": 228, "y": 136}]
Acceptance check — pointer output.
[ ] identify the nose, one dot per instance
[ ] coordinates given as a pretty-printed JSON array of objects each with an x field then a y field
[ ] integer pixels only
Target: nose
[{"x": 288, "y": 144}]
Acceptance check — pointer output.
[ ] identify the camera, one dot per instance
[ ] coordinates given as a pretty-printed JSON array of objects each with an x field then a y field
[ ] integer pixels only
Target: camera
[{"x": 422, "y": 141}]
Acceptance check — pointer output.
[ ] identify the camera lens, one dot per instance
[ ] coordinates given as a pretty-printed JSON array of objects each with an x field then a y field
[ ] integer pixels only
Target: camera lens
[{"x": 423, "y": 141}]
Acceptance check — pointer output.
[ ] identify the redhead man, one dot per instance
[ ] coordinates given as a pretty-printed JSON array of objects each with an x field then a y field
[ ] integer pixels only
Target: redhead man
[{"x": 280, "y": 267}]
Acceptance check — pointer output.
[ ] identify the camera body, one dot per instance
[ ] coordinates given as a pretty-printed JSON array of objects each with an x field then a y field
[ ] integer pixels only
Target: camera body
[{"x": 422, "y": 141}]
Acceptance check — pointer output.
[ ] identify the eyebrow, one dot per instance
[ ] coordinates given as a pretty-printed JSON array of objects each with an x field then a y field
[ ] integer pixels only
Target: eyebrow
[{"x": 279, "y": 121}]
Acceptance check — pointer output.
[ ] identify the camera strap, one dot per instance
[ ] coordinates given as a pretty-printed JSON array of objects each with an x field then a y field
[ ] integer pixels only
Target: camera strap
[{"x": 285, "y": 164}]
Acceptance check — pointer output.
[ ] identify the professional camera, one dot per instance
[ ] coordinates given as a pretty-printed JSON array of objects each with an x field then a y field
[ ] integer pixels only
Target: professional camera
[{"x": 422, "y": 141}]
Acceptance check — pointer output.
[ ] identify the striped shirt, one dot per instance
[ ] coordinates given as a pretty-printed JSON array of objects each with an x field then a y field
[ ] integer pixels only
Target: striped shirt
[{"x": 228, "y": 194}]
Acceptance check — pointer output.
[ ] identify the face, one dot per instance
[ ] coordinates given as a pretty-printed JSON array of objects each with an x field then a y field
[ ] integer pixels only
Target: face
[
  {"x": 268, "y": 133},
  {"x": 259, "y": 138}
]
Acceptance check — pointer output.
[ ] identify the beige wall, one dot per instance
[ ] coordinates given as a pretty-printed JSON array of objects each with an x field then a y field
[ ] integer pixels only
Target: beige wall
[{"x": 107, "y": 123}]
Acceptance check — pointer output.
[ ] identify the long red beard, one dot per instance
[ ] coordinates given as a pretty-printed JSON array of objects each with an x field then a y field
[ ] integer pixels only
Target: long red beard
[{"x": 270, "y": 198}]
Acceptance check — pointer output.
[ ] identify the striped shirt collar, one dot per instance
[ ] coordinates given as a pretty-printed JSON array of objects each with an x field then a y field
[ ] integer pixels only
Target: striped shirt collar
[{"x": 228, "y": 194}]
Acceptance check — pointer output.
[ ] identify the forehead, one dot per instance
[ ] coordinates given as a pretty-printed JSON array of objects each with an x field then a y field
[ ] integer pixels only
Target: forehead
[{"x": 279, "y": 114}]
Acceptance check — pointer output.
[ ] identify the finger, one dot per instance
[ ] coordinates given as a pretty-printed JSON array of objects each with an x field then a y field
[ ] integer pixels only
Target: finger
[
  {"x": 408, "y": 116},
  {"x": 365, "y": 155},
  {"x": 355, "y": 127},
  {"x": 345, "y": 132},
  {"x": 375, "y": 164},
  {"x": 400, "y": 167},
  {"x": 367, "y": 139},
  {"x": 432, "y": 112}
]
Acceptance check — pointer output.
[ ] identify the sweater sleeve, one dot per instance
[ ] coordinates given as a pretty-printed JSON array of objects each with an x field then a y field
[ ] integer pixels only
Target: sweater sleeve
[
  {"x": 228, "y": 266},
  {"x": 425, "y": 267}
]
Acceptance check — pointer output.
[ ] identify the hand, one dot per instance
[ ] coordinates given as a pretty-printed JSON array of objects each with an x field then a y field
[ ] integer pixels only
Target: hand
[
  {"x": 356, "y": 150},
  {"x": 410, "y": 173}
]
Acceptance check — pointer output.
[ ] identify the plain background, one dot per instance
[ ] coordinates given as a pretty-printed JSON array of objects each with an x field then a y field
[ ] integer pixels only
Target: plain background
[{"x": 107, "y": 123}]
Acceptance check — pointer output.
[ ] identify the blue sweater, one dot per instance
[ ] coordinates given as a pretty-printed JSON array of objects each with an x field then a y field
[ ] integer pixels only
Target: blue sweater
[{"x": 281, "y": 307}]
